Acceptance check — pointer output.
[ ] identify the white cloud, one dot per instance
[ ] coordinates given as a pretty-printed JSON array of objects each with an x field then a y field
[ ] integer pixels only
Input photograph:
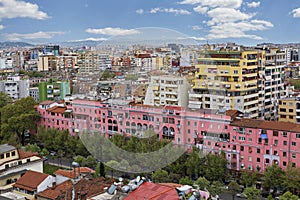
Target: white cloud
[
  {"x": 89, "y": 39},
  {"x": 30, "y": 36},
  {"x": 296, "y": 12},
  {"x": 196, "y": 27},
  {"x": 222, "y": 15},
  {"x": 198, "y": 38},
  {"x": 1, "y": 27},
  {"x": 170, "y": 10},
  {"x": 191, "y": 2},
  {"x": 215, "y": 3},
  {"x": 13, "y": 9},
  {"x": 139, "y": 11},
  {"x": 253, "y": 4},
  {"x": 200, "y": 9},
  {"x": 112, "y": 31}
]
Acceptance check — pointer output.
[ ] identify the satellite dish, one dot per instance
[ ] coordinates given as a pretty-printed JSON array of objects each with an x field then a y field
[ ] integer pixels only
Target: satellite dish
[
  {"x": 138, "y": 178},
  {"x": 120, "y": 179},
  {"x": 75, "y": 164}
]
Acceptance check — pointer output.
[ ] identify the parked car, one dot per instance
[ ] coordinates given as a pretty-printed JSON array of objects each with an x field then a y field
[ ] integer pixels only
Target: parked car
[{"x": 241, "y": 195}]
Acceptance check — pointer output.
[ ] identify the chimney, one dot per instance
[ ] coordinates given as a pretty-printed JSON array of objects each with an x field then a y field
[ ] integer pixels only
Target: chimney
[{"x": 53, "y": 185}]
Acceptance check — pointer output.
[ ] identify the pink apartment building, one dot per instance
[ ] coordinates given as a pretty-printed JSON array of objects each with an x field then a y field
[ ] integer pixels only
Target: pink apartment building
[{"x": 248, "y": 144}]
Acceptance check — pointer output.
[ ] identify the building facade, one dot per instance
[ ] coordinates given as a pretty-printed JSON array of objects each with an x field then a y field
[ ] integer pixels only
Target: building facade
[
  {"x": 167, "y": 91},
  {"x": 247, "y": 143}
]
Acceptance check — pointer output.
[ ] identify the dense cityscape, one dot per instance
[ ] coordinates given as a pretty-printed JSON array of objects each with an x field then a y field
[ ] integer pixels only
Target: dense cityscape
[
  {"x": 233, "y": 109},
  {"x": 149, "y": 100}
]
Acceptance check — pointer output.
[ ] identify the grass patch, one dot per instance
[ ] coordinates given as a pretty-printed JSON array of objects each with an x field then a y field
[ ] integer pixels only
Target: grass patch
[{"x": 50, "y": 169}]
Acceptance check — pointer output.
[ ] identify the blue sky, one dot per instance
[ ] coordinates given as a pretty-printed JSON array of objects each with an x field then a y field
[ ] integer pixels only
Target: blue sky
[{"x": 241, "y": 21}]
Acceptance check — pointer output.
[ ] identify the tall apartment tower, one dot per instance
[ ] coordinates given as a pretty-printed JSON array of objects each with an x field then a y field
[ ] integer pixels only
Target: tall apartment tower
[
  {"x": 167, "y": 91},
  {"x": 228, "y": 79}
]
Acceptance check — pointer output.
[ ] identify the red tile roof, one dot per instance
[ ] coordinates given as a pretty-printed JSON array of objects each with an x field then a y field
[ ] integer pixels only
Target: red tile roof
[
  {"x": 30, "y": 180},
  {"x": 71, "y": 174},
  {"x": 27, "y": 154},
  {"x": 47, "y": 102},
  {"x": 57, "y": 109},
  {"x": 270, "y": 125},
  {"x": 83, "y": 189},
  {"x": 66, "y": 173},
  {"x": 153, "y": 191},
  {"x": 55, "y": 192}
]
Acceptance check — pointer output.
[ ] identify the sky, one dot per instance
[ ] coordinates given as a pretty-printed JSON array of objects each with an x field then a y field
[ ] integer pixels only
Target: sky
[{"x": 206, "y": 21}]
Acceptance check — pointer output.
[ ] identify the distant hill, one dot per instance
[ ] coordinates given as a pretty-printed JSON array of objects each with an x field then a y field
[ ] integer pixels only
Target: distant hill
[
  {"x": 14, "y": 44},
  {"x": 78, "y": 44}
]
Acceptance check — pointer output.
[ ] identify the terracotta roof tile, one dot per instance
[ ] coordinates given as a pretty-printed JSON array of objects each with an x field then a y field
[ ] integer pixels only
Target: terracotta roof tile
[
  {"x": 261, "y": 124},
  {"x": 30, "y": 180},
  {"x": 154, "y": 192},
  {"x": 55, "y": 192},
  {"x": 71, "y": 174},
  {"x": 27, "y": 154},
  {"x": 47, "y": 102},
  {"x": 57, "y": 109}
]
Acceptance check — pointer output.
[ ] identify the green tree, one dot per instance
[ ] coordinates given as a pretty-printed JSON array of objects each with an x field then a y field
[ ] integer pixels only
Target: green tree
[
  {"x": 288, "y": 196},
  {"x": 273, "y": 176},
  {"x": 233, "y": 188},
  {"x": 5, "y": 99},
  {"x": 216, "y": 188},
  {"x": 18, "y": 118},
  {"x": 252, "y": 193},
  {"x": 45, "y": 152},
  {"x": 216, "y": 167},
  {"x": 186, "y": 181},
  {"x": 193, "y": 164},
  {"x": 270, "y": 197},
  {"x": 32, "y": 148},
  {"x": 202, "y": 182},
  {"x": 291, "y": 179},
  {"x": 160, "y": 175},
  {"x": 248, "y": 178},
  {"x": 90, "y": 162},
  {"x": 80, "y": 160}
]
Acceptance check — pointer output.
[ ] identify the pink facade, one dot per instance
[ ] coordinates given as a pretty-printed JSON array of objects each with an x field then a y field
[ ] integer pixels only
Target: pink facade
[{"x": 248, "y": 144}]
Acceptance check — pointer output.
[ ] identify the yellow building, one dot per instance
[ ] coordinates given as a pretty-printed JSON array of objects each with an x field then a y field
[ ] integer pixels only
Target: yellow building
[
  {"x": 228, "y": 80},
  {"x": 287, "y": 110}
]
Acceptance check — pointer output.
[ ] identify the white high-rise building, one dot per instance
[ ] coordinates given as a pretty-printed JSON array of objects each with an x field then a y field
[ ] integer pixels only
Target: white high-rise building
[{"x": 167, "y": 91}]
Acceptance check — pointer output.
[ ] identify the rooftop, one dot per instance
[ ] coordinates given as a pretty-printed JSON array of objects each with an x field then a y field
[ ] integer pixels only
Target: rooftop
[
  {"x": 30, "y": 180},
  {"x": 6, "y": 148},
  {"x": 153, "y": 191},
  {"x": 270, "y": 125}
]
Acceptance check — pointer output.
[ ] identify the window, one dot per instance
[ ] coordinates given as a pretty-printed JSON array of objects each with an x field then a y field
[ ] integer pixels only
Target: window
[
  {"x": 284, "y": 163},
  {"x": 2, "y": 156},
  {"x": 7, "y": 155},
  {"x": 242, "y": 148},
  {"x": 275, "y": 133},
  {"x": 189, "y": 131},
  {"x": 189, "y": 123},
  {"x": 294, "y": 144},
  {"x": 293, "y": 155},
  {"x": 267, "y": 151},
  {"x": 284, "y": 154},
  {"x": 284, "y": 134},
  {"x": 257, "y": 159},
  {"x": 257, "y": 150},
  {"x": 250, "y": 159},
  {"x": 285, "y": 143},
  {"x": 298, "y": 135},
  {"x": 13, "y": 153},
  {"x": 195, "y": 123}
]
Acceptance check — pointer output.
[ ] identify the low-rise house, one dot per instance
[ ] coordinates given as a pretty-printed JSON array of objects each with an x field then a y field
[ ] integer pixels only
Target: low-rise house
[
  {"x": 32, "y": 183},
  {"x": 14, "y": 163}
]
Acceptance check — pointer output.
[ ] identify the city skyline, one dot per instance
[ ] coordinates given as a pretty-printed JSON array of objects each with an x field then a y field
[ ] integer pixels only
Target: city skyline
[{"x": 241, "y": 21}]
